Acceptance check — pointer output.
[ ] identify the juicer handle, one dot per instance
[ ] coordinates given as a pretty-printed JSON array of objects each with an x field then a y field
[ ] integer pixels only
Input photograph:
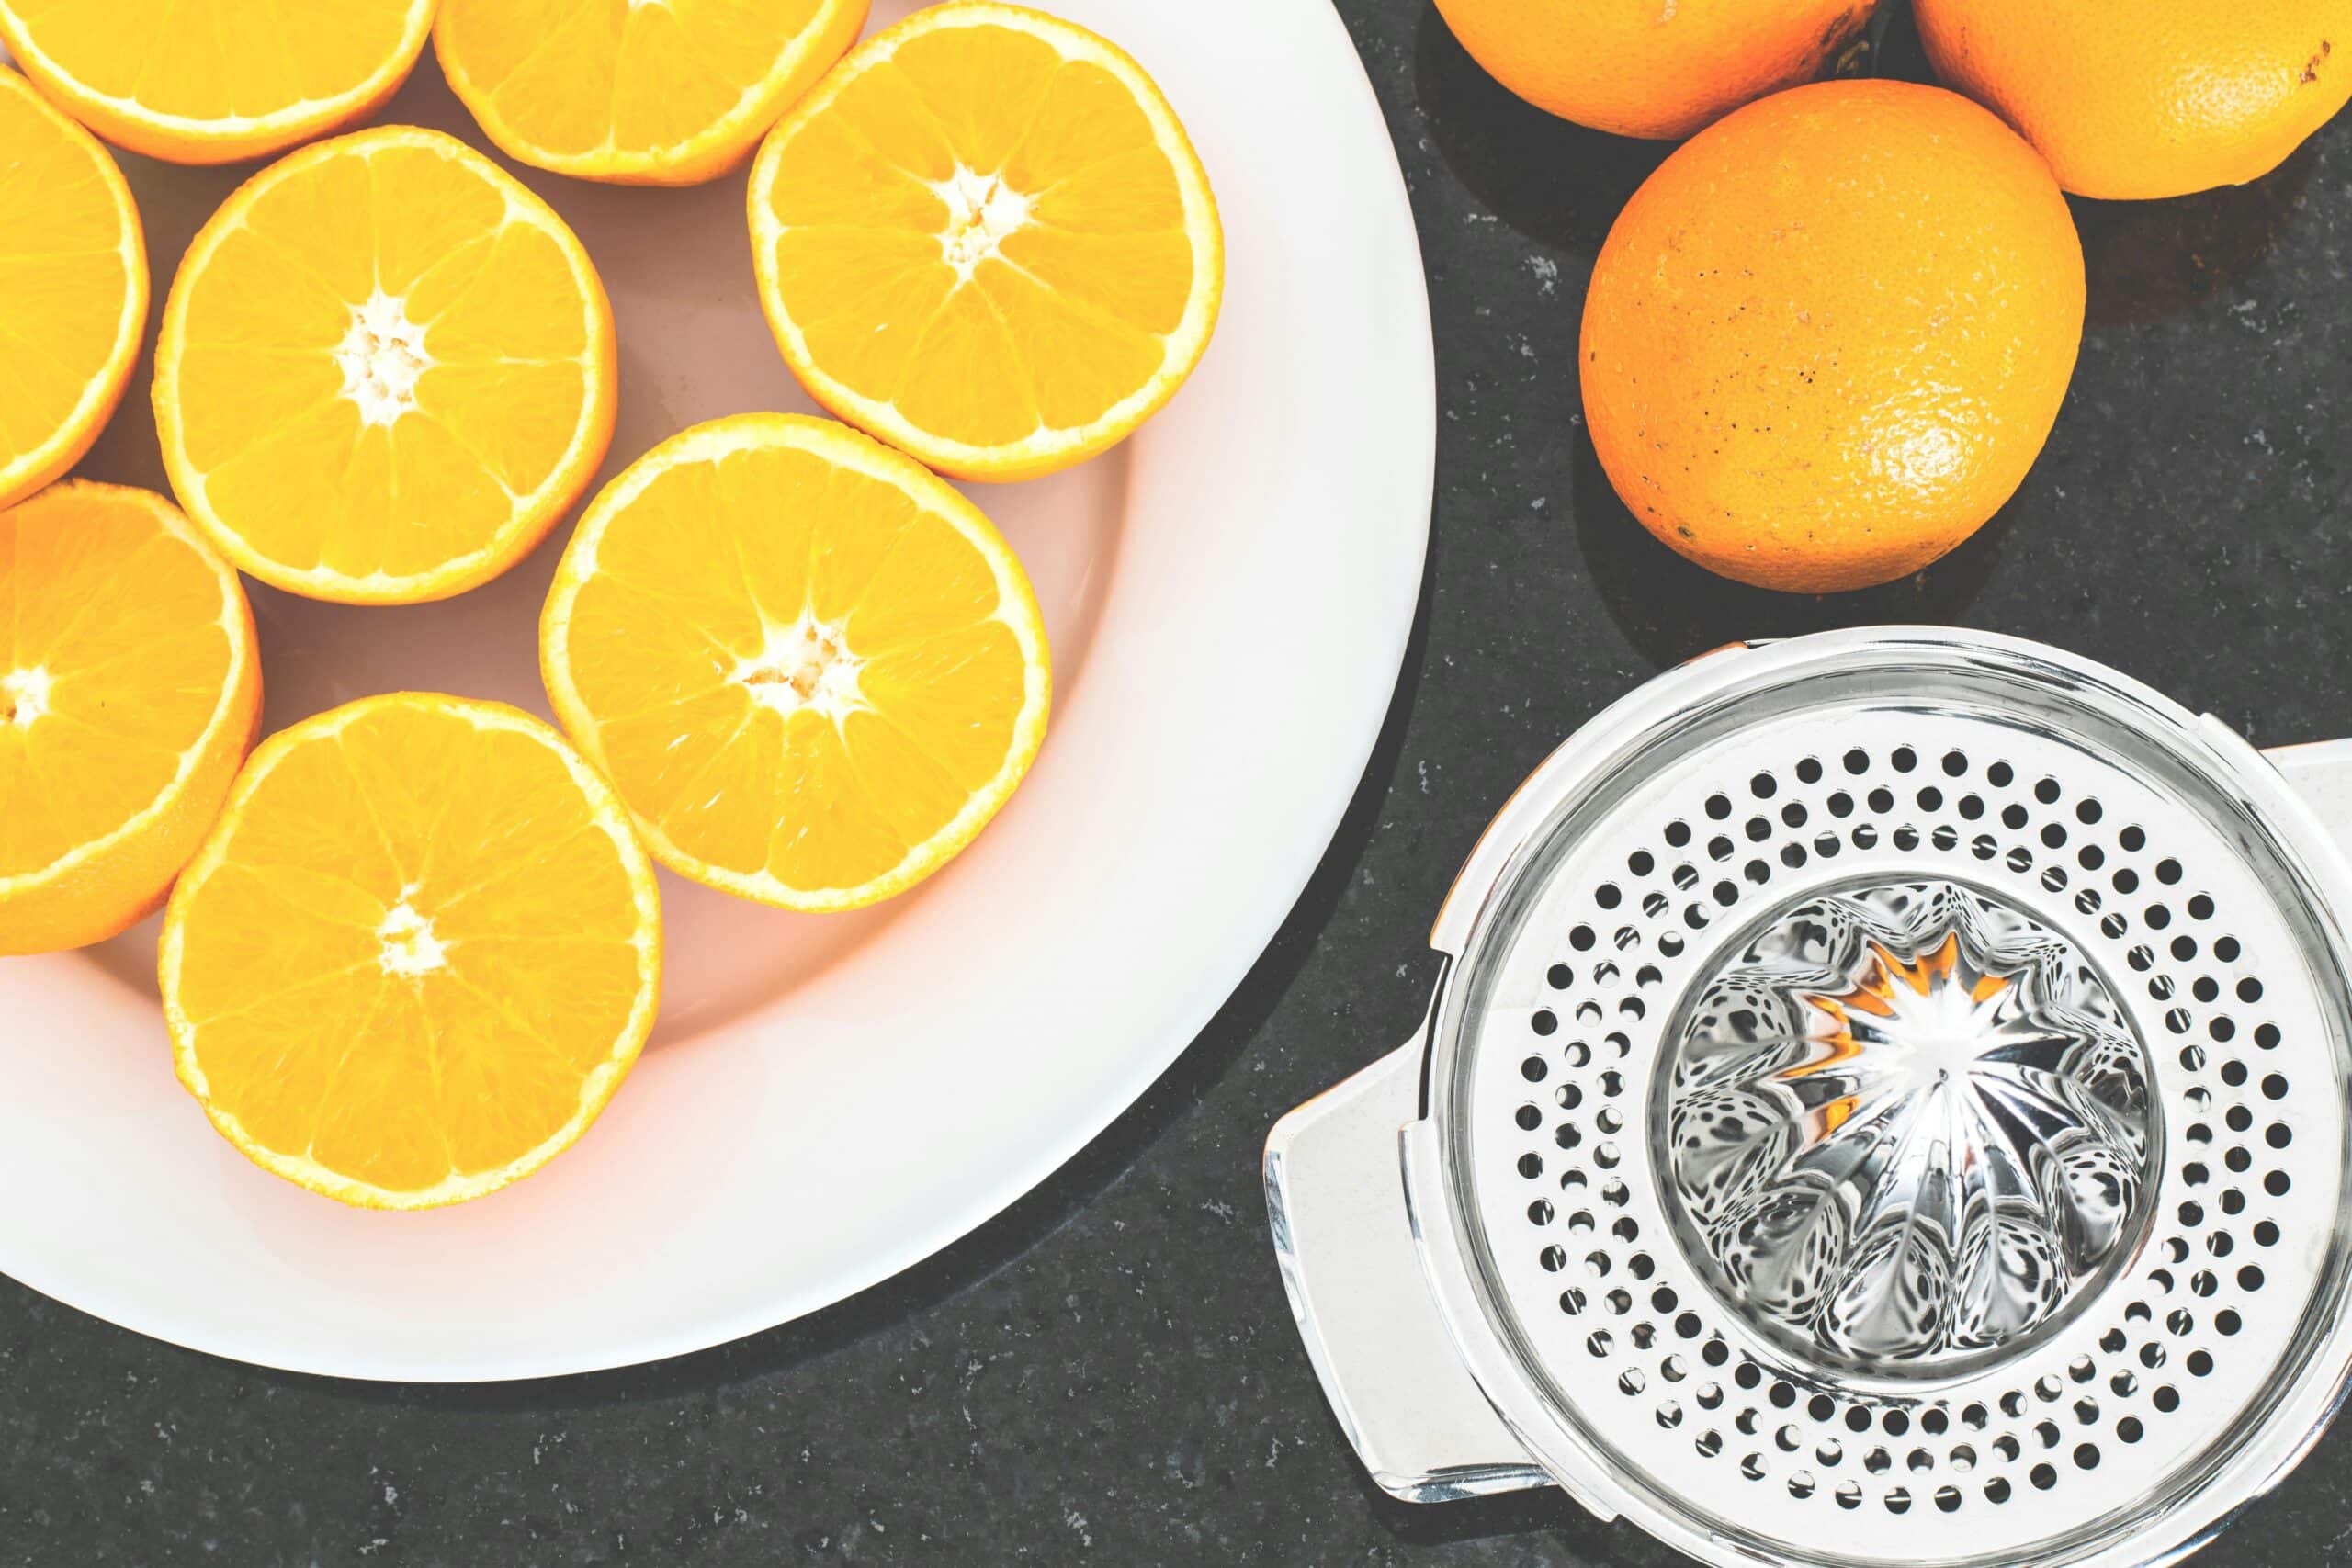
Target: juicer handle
[
  {"x": 2322, "y": 774},
  {"x": 1335, "y": 1197}
]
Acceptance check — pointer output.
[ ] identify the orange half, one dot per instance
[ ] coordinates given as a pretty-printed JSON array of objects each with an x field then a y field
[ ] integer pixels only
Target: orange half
[
  {"x": 385, "y": 370},
  {"x": 417, "y": 955},
  {"x": 216, "y": 80},
  {"x": 129, "y": 693},
  {"x": 985, "y": 239},
  {"x": 72, "y": 289},
  {"x": 673, "y": 93},
  {"x": 811, "y": 668}
]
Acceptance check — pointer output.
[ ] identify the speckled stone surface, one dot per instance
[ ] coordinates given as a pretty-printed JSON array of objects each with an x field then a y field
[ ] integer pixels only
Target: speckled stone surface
[{"x": 1107, "y": 1373}]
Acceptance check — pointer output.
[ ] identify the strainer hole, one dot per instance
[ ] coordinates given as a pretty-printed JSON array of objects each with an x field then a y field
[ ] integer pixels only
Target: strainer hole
[
  {"x": 1898, "y": 1499},
  {"x": 1748, "y": 1375},
  {"x": 1540, "y": 1212},
  {"x": 1878, "y": 1462},
  {"x": 1752, "y": 1467},
  {"x": 1920, "y": 1460},
  {"x": 1997, "y": 1490},
  {"x": 2047, "y": 791},
  {"x": 2265, "y": 1234},
  {"x": 1935, "y": 1423},
  {"x": 1598, "y": 1343},
  {"x": 2250, "y": 1278},
  {"x": 2166, "y": 1398},
  {"x": 1948, "y": 1499},
  {"x": 1710, "y": 1444},
  {"x": 1857, "y": 761},
  {"x": 1763, "y": 787},
  {"x": 2267, "y": 1037},
  {"x": 2134, "y": 839},
  {"x": 1858, "y": 1419},
  {"x": 1841, "y": 805},
  {"x": 1582, "y": 939},
  {"x": 1552, "y": 1258},
  {"x": 2043, "y": 1477},
  {"x": 1821, "y": 1407},
  {"x": 2201, "y": 1363},
  {"x": 1849, "y": 1495},
  {"x": 1895, "y": 1422},
  {"x": 2276, "y": 1184},
  {"x": 1710, "y": 1396},
  {"x": 1544, "y": 1021},
  {"x": 1718, "y": 807},
  {"x": 1572, "y": 1302},
  {"x": 1607, "y": 896},
  {"x": 1972, "y": 807},
  {"x": 1677, "y": 833},
  {"x": 2279, "y": 1135},
  {"x": 2130, "y": 1429},
  {"x": 1905, "y": 758},
  {"x": 1955, "y": 764},
  {"x": 1568, "y": 1096},
  {"x": 2226, "y": 1323},
  {"x": 1882, "y": 799},
  {"x": 1801, "y": 1484},
  {"x": 1809, "y": 770},
  {"x": 1669, "y": 1415},
  {"x": 1535, "y": 1069},
  {"x": 1674, "y": 1369},
  {"x": 2274, "y": 1087},
  {"x": 1529, "y": 1118},
  {"x": 2087, "y": 1456}
]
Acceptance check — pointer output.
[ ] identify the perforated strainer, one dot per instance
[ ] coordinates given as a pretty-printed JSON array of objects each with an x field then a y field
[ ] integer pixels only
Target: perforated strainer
[{"x": 1886, "y": 1104}]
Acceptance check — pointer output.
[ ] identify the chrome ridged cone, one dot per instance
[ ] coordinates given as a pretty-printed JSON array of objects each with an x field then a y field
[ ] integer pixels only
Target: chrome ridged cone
[{"x": 1907, "y": 1127}]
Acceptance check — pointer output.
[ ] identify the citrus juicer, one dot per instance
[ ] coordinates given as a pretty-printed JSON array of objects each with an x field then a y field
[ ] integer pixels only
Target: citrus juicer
[{"x": 1885, "y": 1103}]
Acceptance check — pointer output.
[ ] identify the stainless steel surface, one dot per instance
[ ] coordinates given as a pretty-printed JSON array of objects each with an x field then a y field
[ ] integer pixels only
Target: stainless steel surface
[
  {"x": 1890, "y": 1106},
  {"x": 1905, "y": 1127}
]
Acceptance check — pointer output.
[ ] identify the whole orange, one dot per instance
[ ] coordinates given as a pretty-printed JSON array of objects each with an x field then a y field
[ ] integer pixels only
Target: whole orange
[
  {"x": 2160, "y": 97},
  {"x": 1655, "y": 67},
  {"x": 1827, "y": 337}
]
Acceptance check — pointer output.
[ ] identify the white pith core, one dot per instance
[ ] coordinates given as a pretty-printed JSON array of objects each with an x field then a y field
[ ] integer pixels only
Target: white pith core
[
  {"x": 982, "y": 213},
  {"x": 410, "y": 948},
  {"x": 806, "y": 665},
  {"x": 24, "y": 696},
  {"x": 381, "y": 359}
]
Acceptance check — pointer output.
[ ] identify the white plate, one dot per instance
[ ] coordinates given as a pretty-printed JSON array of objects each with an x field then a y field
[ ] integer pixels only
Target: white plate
[{"x": 829, "y": 1100}]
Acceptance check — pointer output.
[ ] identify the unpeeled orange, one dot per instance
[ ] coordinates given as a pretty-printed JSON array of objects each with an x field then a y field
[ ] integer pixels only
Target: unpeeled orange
[
  {"x": 1652, "y": 68},
  {"x": 1825, "y": 340},
  {"x": 2160, "y": 98},
  {"x": 216, "y": 80},
  {"x": 385, "y": 369},
  {"x": 811, "y": 668},
  {"x": 985, "y": 239},
  {"x": 128, "y": 692},
  {"x": 417, "y": 955}
]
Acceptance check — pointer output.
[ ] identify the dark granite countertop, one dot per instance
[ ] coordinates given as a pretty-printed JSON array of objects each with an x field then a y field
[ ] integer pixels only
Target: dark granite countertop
[{"x": 1107, "y": 1372}]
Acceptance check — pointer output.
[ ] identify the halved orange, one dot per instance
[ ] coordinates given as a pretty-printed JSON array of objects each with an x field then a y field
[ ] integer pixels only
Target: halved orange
[
  {"x": 385, "y": 370},
  {"x": 216, "y": 80},
  {"x": 72, "y": 289},
  {"x": 129, "y": 693},
  {"x": 669, "y": 93},
  {"x": 812, "y": 669},
  {"x": 985, "y": 239},
  {"x": 417, "y": 954}
]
